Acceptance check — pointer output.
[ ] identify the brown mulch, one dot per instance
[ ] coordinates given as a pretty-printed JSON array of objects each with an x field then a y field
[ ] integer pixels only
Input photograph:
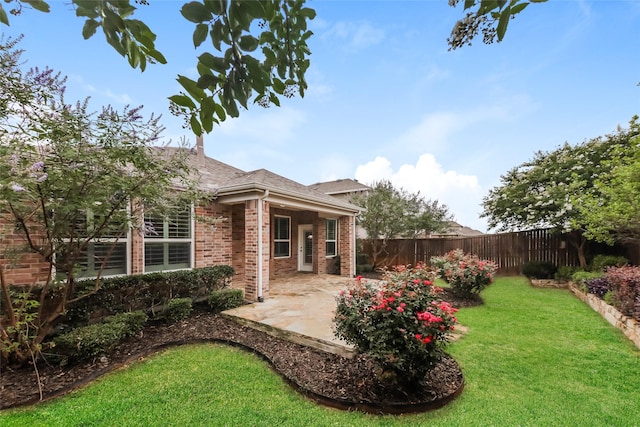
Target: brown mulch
[{"x": 323, "y": 377}]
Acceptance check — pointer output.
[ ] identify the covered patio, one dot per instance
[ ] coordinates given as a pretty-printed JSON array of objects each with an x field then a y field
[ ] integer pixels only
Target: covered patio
[{"x": 300, "y": 308}]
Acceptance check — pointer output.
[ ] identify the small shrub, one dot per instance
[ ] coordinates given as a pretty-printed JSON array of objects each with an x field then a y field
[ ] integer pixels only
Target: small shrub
[
  {"x": 580, "y": 277},
  {"x": 402, "y": 325},
  {"x": 598, "y": 287},
  {"x": 177, "y": 309},
  {"x": 90, "y": 341},
  {"x": 625, "y": 282},
  {"x": 539, "y": 269},
  {"x": 467, "y": 274},
  {"x": 565, "y": 273},
  {"x": 225, "y": 299},
  {"x": 602, "y": 262}
]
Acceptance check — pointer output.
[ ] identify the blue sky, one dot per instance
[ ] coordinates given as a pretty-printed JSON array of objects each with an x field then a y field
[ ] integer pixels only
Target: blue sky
[{"x": 386, "y": 98}]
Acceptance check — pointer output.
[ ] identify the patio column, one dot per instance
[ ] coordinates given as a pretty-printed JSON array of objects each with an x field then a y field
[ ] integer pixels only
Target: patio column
[
  {"x": 346, "y": 235},
  {"x": 256, "y": 250}
]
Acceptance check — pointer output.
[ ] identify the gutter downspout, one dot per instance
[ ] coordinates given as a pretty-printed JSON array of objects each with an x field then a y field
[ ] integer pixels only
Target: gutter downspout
[
  {"x": 355, "y": 244},
  {"x": 259, "y": 276}
]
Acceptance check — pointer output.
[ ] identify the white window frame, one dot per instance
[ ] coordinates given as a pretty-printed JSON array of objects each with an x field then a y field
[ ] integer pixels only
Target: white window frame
[
  {"x": 334, "y": 240},
  {"x": 165, "y": 241},
  {"x": 277, "y": 240}
]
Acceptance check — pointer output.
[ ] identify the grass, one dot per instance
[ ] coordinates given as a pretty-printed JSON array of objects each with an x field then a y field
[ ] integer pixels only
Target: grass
[{"x": 532, "y": 357}]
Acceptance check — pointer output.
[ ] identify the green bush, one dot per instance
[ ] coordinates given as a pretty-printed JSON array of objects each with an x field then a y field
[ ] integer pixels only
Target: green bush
[
  {"x": 467, "y": 274},
  {"x": 565, "y": 273},
  {"x": 143, "y": 291},
  {"x": 579, "y": 277},
  {"x": 539, "y": 269},
  {"x": 177, "y": 309},
  {"x": 602, "y": 262},
  {"x": 225, "y": 299},
  {"x": 90, "y": 341},
  {"x": 402, "y": 324}
]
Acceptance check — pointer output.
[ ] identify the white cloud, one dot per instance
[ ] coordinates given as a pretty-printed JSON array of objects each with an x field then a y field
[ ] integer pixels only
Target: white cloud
[
  {"x": 460, "y": 192},
  {"x": 355, "y": 35}
]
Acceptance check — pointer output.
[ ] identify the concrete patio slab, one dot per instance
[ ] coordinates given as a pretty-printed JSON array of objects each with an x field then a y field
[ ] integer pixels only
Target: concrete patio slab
[{"x": 299, "y": 308}]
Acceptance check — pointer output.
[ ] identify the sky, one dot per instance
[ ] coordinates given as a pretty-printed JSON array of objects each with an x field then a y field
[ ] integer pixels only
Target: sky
[{"x": 386, "y": 98}]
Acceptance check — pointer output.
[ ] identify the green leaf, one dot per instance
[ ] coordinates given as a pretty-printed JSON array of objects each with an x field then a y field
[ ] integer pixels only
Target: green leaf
[
  {"x": 89, "y": 28},
  {"x": 159, "y": 57},
  {"x": 217, "y": 7},
  {"x": 239, "y": 16},
  {"x": 208, "y": 81},
  {"x": 85, "y": 8},
  {"x": 307, "y": 12},
  {"x": 207, "y": 109},
  {"x": 504, "y": 21},
  {"x": 200, "y": 34},
  {"x": 196, "y": 12},
  {"x": 274, "y": 99},
  {"x": 3, "y": 16},
  {"x": 191, "y": 87},
  {"x": 39, "y": 5},
  {"x": 215, "y": 63},
  {"x": 133, "y": 54},
  {"x": 195, "y": 125},
  {"x": 217, "y": 35},
  {"x": 487, "y": 6},
  {"x": 278, "y": 86},
  {"x": 183, "y": 101},
  {"x": 248, "y": 43},
  {"x": 518, "y": 8},
  {"x": 469, "y": 4},
  {"x": 219, "y": 109}
]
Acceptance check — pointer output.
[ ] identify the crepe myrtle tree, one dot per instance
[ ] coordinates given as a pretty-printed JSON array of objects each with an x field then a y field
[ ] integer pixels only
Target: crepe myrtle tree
[
  {"x": 391, "y": 213},
  {"x": 548, "y": 191},
  {"x": 612, "y": 212},
  {"x": 70, "y": 177},
  {"x": 258, "y": 49}
]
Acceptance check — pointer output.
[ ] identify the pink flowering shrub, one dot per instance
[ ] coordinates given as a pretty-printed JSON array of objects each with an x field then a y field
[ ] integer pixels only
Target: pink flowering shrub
[
  {"x": 467, "y": 274},
  {"x": 401, "y": 323}
]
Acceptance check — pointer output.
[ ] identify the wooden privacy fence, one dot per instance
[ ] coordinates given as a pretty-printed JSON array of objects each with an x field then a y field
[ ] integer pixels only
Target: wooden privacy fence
[{"x": 509, "y": 250}]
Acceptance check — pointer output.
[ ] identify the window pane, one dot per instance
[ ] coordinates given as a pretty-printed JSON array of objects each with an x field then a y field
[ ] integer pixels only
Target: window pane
[
  {"x": 153, "y": 227},
  {"x": 331, "y": 248},
  {"x": 331, "y": 229},
  {"x": 153, "y": 254},
  {"x": 281, "y": 249},
  {"x": 179, "y": 255},
  {"x": 281, "y": 228},
  {"x": 99, "y": 253},
  {"x": 179, "y": 226}
]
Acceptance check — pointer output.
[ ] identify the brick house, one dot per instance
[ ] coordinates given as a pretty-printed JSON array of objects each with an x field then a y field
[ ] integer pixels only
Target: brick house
[{"x": 268, "y": 226}]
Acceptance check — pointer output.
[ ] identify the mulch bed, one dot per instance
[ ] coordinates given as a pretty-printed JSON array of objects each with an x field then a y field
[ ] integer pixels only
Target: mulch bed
[{"x": 326, "y": 378}]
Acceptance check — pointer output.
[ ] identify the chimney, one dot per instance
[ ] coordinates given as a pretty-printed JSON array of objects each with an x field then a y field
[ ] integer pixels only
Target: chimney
[{"x": 200, "y": 150}]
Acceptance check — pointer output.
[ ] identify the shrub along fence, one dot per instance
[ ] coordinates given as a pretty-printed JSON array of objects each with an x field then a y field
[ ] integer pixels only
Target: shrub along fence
[{"x": 510, "y": 251}]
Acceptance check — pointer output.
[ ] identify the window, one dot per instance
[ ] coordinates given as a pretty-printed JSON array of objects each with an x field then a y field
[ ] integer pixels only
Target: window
[
  {"x": 331, "y": 239},
  {"x": 106, "y": 254},
  {"x": 168, "y": 241},
  {"x": 281, "y": 237}
]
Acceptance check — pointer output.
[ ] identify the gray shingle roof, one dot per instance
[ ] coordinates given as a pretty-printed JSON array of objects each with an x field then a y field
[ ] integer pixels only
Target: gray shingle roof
[{"x": 339, "y": 186}]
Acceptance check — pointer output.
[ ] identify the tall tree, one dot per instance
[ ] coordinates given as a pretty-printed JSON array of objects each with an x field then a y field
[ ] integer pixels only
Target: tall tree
[
  {"x": 612, "y": 212},
  {"x": 391, "y": 213},
  {"x": 233, "y": 73},
  {"x": 68, "y": 178},
  {"x": 547, "y": 191}
]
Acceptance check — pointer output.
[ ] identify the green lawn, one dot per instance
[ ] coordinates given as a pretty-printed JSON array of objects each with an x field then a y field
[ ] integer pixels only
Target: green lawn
[{"x": 532, "y": 357}]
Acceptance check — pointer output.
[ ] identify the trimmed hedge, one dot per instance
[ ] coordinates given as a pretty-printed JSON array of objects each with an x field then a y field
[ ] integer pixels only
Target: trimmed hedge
[
  {"x": 225, "y": 299},
  {"x": 90, "y": 341},
  {"x": 176, "y": 309},
  {"x": 145, "y": 291},
  {"x": 539, "y": 269}
]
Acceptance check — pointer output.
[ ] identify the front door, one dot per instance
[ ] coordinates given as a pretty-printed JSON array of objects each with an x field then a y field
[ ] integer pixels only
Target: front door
[{"x": 305, "y": 247}]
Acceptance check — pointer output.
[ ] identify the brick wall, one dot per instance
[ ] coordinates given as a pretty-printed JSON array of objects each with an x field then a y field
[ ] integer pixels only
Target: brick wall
[
  {"x": 345, "y": 245},
  {"x": 21, "y": 268},
  {"x": 213, "y": 241}
]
